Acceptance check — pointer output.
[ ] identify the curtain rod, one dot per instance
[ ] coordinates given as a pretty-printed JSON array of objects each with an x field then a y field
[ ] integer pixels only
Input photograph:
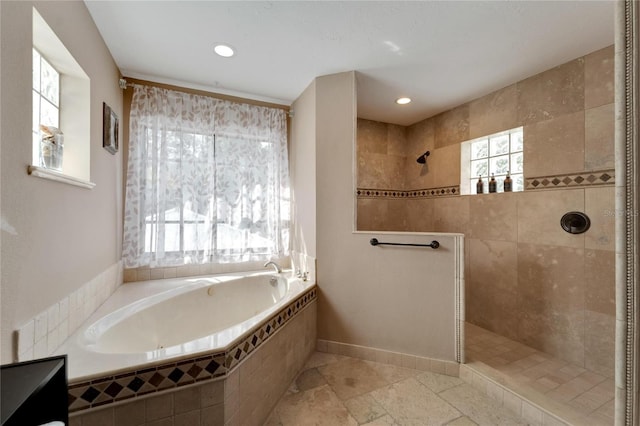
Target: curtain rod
[{"x": 124, "y": 84}]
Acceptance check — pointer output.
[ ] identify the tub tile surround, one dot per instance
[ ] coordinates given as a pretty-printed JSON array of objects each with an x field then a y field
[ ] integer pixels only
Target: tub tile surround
[
  {"x": 302, "y": 263},
  {"x": 243, "y": 396},
  {"x": 145, "y": 273},
  {"x": 130, "y": 385},
  {"x": 43, "y": 334}
]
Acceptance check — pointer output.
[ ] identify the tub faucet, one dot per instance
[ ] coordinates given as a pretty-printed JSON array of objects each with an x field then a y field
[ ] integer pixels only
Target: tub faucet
[{"x": 275, "y": 265}]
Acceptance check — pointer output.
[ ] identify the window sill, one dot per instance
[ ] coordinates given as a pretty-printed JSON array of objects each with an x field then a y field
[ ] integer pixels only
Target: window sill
[{"x": 44, "y": 173}]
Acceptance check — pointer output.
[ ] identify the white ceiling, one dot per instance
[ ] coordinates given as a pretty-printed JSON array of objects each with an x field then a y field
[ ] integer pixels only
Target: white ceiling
[{"x": 439, "y": 53}]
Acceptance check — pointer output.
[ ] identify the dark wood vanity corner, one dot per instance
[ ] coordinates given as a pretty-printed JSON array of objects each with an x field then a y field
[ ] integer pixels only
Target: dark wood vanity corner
[{"x": 34, "y": 392}]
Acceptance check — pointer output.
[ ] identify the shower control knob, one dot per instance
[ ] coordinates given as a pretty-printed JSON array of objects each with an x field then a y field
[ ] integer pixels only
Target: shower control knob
[{"x": 575, "y": 222}]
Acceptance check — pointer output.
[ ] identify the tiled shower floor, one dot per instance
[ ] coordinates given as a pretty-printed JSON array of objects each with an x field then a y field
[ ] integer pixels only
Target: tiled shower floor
[{"x": 569, "y": 391}]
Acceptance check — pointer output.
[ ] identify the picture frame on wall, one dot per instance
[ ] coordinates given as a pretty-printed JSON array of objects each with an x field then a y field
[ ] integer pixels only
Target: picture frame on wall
[{"x": 110, "y": 128}]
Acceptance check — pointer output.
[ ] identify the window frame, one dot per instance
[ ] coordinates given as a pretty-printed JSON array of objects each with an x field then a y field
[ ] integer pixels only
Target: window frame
[
  {"x": 468, "y": 178},
  {"x": 74, "y": 113},
  {"x": 42, "y": 97},
  {"x": 229, "y": 253}
]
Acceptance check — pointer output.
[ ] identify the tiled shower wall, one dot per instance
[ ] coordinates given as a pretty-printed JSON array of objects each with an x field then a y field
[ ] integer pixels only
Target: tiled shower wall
[{"x": 526, "y": 278}]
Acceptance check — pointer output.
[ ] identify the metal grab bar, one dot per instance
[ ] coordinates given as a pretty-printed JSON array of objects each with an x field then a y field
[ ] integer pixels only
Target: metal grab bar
[{"x": 374, "y": 242}]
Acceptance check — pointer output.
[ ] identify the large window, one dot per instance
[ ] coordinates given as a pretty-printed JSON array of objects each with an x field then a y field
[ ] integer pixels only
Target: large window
[
  {"x": 207, "y": 181},
  {"x": 494, "y": 155}
]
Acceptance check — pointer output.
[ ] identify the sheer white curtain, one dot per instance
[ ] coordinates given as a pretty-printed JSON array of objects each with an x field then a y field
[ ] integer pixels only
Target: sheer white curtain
[{"x": 207, "y": 181}]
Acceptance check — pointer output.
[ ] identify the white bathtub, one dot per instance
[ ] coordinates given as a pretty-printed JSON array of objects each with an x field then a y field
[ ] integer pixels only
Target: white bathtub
[{"x": 151, "y": 322}]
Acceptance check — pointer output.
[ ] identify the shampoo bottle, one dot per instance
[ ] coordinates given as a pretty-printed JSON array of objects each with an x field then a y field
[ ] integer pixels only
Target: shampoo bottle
[
  {"x": 507, "y": 183},
  {"x": 479, "y": 186},
  {"x": 493, "y": 185}
]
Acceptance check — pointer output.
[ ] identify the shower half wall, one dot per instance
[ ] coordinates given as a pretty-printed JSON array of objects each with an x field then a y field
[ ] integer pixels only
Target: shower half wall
[{"x": 526, "y": 278}]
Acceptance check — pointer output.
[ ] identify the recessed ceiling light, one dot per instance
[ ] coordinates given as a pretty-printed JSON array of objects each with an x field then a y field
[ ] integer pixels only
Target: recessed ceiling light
[
  {"x": 403, "y": 101},
  {"x": 224, "y": 50}
]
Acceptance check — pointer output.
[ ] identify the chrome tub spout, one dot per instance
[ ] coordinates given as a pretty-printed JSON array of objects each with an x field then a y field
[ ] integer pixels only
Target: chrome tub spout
[{"x": 275, "y": 265}]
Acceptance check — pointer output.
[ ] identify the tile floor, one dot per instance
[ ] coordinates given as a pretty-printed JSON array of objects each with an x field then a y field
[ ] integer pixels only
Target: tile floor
[
  {"x": 336, "y": 390},
  {"x": 567, "y": 390}
]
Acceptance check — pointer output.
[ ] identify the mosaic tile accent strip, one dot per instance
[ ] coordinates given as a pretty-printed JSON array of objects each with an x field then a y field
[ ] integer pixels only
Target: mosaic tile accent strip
[
  {"x": 445, "y": 191},
  {"x": 109, "y": 389},
  {"x": 604, "y": 177},
  {"x": 248, "y": 345}
]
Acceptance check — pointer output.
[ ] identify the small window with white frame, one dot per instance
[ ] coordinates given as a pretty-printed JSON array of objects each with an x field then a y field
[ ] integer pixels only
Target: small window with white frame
[
  {"x": 47, "y": 139},
  {"x": 498, "y": 154},
  {"x": 61, "y": 102}
]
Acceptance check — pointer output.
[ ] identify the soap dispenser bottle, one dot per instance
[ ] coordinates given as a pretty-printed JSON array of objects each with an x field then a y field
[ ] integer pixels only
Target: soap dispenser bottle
[
  {"x": 508, "y": 183},
  {"x": 479, "y": 185},
  {"x": 493, "y": 185}
]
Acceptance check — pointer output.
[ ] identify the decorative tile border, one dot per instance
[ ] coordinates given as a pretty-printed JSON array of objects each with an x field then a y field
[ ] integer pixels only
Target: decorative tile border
[
  {"x": 413, "y": 193},
  {"x": 596, "y": 178},
  {"x": 603, "y": 177},
  {"x": 110, "y": 389}
]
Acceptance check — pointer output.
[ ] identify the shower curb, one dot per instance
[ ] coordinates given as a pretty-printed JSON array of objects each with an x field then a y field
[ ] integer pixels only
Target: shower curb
[{"x": 528, "y": 410}]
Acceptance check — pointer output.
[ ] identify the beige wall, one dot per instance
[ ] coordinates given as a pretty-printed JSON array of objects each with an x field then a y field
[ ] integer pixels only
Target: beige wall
[
  {"x": 526, "y": 278},
  {"x": 303, "y": 172},
  {"x": 368, "y": 296},
  {"x": 55, "y": 237}
]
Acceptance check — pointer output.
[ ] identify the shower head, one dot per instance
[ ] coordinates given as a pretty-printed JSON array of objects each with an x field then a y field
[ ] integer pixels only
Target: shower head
[{"x": 423, "y": 158}]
